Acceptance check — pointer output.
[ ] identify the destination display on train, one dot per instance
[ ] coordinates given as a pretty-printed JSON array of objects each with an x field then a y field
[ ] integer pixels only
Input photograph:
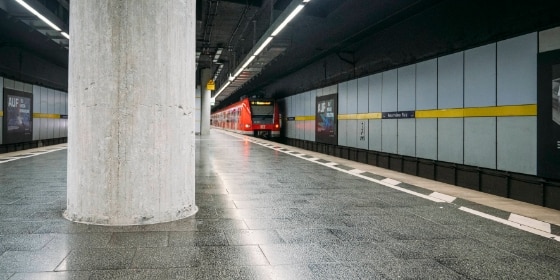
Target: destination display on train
[{"x": 261, "y": 103}]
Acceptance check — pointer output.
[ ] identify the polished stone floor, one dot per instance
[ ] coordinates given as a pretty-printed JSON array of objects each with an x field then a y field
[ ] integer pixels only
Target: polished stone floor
[{"x": 266, "y": 211}]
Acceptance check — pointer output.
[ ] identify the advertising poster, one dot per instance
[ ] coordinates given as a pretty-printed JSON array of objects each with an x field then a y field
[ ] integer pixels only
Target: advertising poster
[
  {"x": 326, "y": 119},
  {"x": 18, "y": 117},
  {"x": 548, "y": 116}
]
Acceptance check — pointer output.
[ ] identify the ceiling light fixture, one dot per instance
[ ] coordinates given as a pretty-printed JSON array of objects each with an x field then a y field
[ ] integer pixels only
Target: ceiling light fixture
[
  {"x": 288, "y": 19},
  {"x": 65, "y": 35},
  {"x": 44, "y": 19},
  {"x": 262, "y": 45}
]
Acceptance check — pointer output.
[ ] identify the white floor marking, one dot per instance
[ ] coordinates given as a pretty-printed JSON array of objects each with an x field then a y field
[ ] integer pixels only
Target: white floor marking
[
  {"x": 516, "y": 221},
  {"x": 530, "y": 222},
  {"x": 391, "y": 181},
  {"x": 512, "y": 224},
  {"x": 444, "y": 197},
  {"x": 31, "y": 154}
]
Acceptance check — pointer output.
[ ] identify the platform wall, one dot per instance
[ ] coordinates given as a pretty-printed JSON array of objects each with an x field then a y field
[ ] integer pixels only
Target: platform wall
[{"x": 446, "y": 118}]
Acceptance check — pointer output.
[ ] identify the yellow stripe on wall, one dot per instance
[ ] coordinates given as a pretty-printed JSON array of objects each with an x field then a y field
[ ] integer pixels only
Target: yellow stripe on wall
[
  {"x": 46, "y": 116},
  {"x": 40, "y": 115},
  {"x": 305, "y": 118},
  {"x": 494, "y": 111},
  {"x": 365, "y": 116}
]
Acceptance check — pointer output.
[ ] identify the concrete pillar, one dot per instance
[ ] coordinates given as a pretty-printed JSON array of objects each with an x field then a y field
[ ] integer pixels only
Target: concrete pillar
[
  {"x": 131, "y": 145},
  {"x": 205, "y": 76}
]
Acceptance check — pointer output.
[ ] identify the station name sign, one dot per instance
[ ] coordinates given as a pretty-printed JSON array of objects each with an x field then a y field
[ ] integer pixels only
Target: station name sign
[{"x": 398, "y": 115}]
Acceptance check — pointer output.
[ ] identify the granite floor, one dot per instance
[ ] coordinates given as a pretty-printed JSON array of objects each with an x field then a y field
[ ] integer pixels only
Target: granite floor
[{"x": 265, "y": 212}]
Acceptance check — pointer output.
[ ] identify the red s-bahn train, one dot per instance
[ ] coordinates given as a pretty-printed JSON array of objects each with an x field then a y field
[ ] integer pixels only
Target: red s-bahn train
[{"x": 250, "y": 116}]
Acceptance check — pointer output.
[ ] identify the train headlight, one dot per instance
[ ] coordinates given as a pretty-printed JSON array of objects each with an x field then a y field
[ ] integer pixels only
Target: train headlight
[
  {"x": 247, "y": 126},
  {"x": 276, "y": 125}
]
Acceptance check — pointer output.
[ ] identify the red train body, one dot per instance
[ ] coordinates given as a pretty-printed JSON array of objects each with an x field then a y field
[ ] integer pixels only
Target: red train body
[{"x": 250, "y": 116}]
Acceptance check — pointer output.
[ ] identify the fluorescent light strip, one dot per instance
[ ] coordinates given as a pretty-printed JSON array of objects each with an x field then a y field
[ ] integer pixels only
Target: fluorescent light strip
[
  {"x": 44, "y": 19},
  {"x": 244, "y": 66},
  {"x": 287, "y": 20},
  {"x": 264, "y": 44},
  {"x": 65, "y": 35}
]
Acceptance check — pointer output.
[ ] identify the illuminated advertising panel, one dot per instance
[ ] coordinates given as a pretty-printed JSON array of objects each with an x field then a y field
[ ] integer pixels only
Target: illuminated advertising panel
[
  {"x": 18, "y": 117},
  {"x": 326, "y": 119}
]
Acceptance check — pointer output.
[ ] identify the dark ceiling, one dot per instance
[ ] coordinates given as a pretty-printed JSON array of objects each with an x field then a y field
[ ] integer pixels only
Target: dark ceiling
[{"x": 328, "y": 42}]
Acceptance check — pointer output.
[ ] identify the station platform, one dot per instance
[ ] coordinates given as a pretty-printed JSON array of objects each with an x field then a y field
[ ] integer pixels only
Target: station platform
[{"x": 270, "y": 211}]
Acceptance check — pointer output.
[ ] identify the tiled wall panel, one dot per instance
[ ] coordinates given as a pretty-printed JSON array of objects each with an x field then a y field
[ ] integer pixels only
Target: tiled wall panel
[
  {"x": 450, "y": 81},
  {"x": 480, "y": 76},
  {"x": 480, "y": 142},
  {"x": 517, "y": 70},
  {"x": 426, "y": 85},
  {"x": 450, "y": 140}
]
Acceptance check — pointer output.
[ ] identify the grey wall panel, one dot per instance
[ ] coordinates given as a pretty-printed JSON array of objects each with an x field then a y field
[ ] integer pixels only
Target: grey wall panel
[
  {"x": 352, "y": 133},
  {"x": 27, "y": 88},
  {"x": 363, "y": 134},
  {"x": 375, "y": 135},
  {"x": 310, "y": 135},
  {"x": 18, "y": 85},
  {"x": 289, "y": 114},
  {"x": 298, "y": 103},
  {"x": 10, "y": 84},
  {"x": 36, "y": 99},
  {"x": 480, "y": 142},
  {"x": 57, "y": 102},
  {"x": 517, "y": 70},
  {"x": 310, "y": 105},
  {"x": 288, "y": 107},
  {"x": 343, "y": 98},
  {"x": 450, "y": 81},
  {"x": 549, "y": 40},
  {"x": 407, "y": 137},
  {"x": 300, "y": 128},
  {"x": 50, "y": 101},
  {"x": 480, "y": 76},
  {"x": 329, "y": 90},
  {"x": 44, "y": 101},
  {"x": 426, "y": 85},
  {"x": 363, "y": 95},
  {"x": 310, "y": 130},
  {"x": 407, "y": 88},
  {"x": 389, "y": 92},
  {"x": 375, "y": 91},
  {"x": 342, "y": 128},
  {"x": 389, "y": 136},
  {"x": 64, "y": 103},
  {"x": 517, "y": 144},
  {"x": 56, "y": 128},
  {"x": 50, "y": 128},
  {"x": 43, "y": 128},
  {"x": 352, "y": 107},
  {"x": 426, "y": 138},
  {"x": 450, "y": 140}
]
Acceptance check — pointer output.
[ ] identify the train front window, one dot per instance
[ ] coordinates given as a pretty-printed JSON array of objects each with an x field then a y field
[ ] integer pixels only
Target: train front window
[{"x": 262, "y": 112}]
